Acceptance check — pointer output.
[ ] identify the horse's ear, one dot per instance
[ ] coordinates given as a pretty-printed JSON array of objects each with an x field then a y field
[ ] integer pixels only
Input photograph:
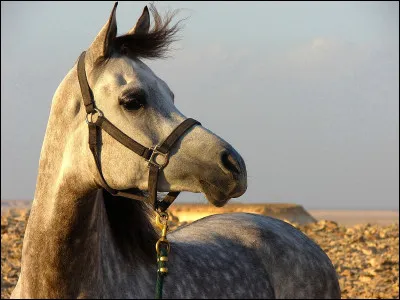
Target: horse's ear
[
  {"x": 143, "y": 24},
  {"x": 102, "y": 45}
]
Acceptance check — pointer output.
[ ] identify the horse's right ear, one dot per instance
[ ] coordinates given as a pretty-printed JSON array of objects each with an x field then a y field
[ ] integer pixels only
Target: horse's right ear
[
  {"x": 143, "y": 24},
  {"x": 103, "y": 43}
]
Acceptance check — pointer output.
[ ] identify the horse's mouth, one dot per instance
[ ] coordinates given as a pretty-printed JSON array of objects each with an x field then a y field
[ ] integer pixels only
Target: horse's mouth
[{"x": 214, "y": 194}]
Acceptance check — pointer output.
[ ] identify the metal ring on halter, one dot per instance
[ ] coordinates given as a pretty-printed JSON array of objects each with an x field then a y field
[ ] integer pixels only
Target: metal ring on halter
[
  {"x": 154, "y": 154},
  {"x": 162, "y": 216},
  {"x": 96, "y": 110},
  {"x": 164, "y": 241}
]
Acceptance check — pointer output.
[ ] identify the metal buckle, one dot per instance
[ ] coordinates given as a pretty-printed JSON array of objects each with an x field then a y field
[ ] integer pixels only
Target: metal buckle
[
  {"x": 91, "y": 115},
  {"x": 154, "y": 154}
]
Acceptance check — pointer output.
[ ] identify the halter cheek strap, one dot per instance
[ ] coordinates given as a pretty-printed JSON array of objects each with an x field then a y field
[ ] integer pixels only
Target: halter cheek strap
[{"x": 150, "y": 154}]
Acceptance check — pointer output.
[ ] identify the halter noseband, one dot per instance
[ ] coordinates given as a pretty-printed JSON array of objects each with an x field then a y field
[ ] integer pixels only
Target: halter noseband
[{"x": 150, "y": 154}]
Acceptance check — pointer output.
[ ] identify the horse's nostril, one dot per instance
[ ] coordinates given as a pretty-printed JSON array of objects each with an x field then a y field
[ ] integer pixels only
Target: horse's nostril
[{"x": 229, "y": 163}]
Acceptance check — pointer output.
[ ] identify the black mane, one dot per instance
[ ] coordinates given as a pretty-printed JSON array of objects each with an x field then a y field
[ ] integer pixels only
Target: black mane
[
  {"x": 155, "y": 43},
  {"x": 131, "y": 225}
]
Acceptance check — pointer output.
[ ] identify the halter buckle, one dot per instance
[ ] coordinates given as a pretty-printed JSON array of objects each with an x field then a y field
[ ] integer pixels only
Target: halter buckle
[
  {"x": 98, "y": 111},
  {"x": 154, "y": 155}
]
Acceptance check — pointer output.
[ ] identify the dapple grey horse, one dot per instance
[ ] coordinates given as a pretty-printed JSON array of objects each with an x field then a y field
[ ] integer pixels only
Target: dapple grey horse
[{"x": 83, "y": 242}]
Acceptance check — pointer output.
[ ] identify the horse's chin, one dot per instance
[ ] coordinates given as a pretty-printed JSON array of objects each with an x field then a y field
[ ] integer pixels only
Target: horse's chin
[
  {"x": 217, "y": 203},
  {"x": 213, "y": 194}
]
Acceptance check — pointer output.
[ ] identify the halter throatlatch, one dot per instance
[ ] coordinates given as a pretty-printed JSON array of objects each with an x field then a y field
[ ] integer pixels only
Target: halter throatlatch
[{"x": 150, "y": 154}]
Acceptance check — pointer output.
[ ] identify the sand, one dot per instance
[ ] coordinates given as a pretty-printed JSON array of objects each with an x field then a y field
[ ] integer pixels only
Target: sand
[
  {"x": 292, "y": 212},
  {"x": 352, "y": 217},
  {"x": 365, "y": 256},
  {"x": 188, "y": 212}
]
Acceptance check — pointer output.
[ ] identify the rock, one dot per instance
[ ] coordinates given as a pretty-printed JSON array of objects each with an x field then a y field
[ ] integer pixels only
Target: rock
[
  {"x": 365, "y": 278},
  {"x": 369, "y": 251},
  {"x": 374, "y": 262}
]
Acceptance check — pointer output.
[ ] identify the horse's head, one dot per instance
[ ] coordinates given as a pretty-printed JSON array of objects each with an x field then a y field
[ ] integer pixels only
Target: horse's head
[{"x": 142, "y": 105}]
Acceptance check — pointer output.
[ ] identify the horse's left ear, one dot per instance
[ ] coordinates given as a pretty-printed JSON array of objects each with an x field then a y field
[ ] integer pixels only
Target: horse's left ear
[
  {"x": 102, "y": 45},
  {"x": 143, "y": 24}
]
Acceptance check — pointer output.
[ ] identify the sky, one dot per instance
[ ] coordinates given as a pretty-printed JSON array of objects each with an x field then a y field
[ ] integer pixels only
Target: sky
[{"x": 306, "y": 92}]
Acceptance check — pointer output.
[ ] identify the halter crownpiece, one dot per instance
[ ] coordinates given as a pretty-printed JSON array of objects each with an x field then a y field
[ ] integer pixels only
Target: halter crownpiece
[{"x": 150, "y": 154}]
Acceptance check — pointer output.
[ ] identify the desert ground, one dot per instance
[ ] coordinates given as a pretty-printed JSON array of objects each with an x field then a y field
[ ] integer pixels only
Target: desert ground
[{"x": 362, "y": 245}]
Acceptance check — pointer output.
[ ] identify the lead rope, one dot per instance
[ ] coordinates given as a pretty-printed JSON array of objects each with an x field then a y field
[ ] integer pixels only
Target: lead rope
[{"x": 162, "y": 249}]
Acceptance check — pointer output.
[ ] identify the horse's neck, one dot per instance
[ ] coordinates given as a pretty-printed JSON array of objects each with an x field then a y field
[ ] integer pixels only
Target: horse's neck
[
  {"x": 68, "y": 244},
  {"x": 75, "y": 252},
  {"x": 62, "y": 248}
]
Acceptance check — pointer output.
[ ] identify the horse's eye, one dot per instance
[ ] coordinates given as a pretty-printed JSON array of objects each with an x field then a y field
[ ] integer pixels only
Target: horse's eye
[
  {"x": 132, "y": 105},
  {"x": 133, "y": 101}
]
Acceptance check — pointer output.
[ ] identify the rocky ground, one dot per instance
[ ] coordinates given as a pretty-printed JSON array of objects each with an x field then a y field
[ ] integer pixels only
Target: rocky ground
[{"x": 366, "y": 257}]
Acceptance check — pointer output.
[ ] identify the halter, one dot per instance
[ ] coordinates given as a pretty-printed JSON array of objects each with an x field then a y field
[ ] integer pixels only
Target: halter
[{"x": 150, "y": 154}]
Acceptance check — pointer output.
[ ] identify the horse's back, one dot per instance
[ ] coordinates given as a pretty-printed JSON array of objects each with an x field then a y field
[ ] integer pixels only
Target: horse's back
[{"x": 293, "y": 266}]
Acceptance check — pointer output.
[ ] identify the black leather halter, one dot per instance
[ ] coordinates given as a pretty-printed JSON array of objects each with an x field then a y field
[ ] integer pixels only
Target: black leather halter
[{"x": 150, "y": 154}]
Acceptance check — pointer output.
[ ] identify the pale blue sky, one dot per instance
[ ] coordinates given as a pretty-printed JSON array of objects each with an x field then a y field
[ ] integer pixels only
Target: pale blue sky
[{"x": 307, "y": 92}]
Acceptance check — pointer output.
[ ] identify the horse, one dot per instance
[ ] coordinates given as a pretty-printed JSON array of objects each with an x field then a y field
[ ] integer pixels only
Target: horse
[{"x": 87, "y": 238}]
